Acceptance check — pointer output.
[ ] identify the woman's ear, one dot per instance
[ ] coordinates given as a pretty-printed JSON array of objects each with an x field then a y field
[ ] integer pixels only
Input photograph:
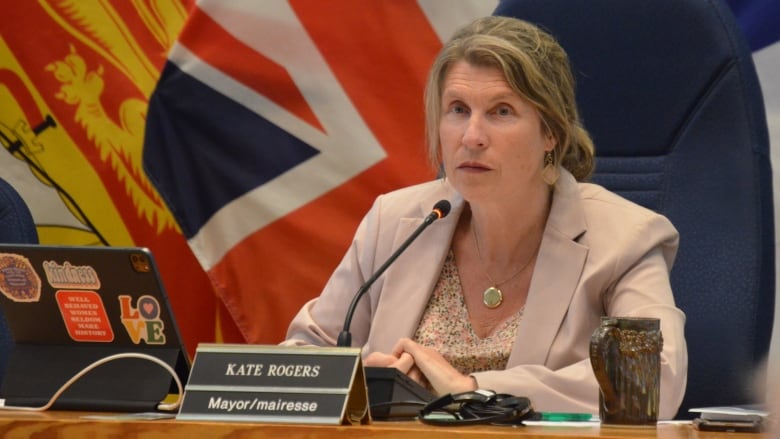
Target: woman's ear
[{"x": 550, "y": 143}]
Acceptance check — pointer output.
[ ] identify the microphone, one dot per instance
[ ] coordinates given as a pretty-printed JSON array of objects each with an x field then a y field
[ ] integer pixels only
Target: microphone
[{"x": 439, "y": 211}]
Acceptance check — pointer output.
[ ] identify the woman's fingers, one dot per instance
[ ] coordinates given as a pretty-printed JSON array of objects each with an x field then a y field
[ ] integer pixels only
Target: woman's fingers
[
  {"x": 404, "y": 363},
  {"x": 379, "y": 359}
]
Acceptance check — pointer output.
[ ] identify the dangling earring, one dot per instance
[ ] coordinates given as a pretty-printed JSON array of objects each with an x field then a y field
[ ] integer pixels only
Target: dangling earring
[{"x": 550, "y": 172}]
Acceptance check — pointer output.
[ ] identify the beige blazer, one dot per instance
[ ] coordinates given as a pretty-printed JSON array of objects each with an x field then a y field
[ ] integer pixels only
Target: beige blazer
[{"x": 600, "y": 255}]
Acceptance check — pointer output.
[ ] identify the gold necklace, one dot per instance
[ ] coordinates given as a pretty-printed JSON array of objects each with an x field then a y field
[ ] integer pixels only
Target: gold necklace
[{"x": 492, "y": 297}]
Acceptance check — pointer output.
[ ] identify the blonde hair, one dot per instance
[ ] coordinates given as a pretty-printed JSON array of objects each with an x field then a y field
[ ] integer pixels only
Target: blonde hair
[{"x": 535, "y": 66}]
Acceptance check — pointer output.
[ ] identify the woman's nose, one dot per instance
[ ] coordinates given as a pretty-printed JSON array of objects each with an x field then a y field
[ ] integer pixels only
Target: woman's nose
[{"x": 474, "y": 136}]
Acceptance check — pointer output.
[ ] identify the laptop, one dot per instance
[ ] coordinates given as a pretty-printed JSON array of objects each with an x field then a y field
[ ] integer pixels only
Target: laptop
[{"x": 68, "y": 306}]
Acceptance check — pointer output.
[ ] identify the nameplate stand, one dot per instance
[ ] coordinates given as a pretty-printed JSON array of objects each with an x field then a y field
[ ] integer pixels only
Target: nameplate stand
[{"x": 267, "y": 383}]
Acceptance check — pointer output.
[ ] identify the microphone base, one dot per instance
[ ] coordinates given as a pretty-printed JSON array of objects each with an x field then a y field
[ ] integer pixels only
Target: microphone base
[
  {"x": 344, "y": 339},
  {"x": 390, "y": 392}
]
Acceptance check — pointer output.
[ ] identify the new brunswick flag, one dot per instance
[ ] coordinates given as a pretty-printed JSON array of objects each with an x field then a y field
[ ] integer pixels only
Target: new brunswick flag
[{"x": 75, "y": 81}]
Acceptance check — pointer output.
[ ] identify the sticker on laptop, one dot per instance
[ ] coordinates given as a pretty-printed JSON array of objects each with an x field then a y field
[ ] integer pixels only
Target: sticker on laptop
[
  {"x": 142, "y": 321},
  {"x": 18, "y": 280},
  {"x": 84, "y": 316},
  {"x": 68, "y": 277}
]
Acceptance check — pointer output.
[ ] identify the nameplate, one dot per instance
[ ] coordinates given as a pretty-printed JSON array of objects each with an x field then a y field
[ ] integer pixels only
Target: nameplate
[{"x": 264, "y": 383}]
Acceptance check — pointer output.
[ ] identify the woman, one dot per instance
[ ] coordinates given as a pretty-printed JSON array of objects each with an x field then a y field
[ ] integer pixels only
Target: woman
[{"x": 505, "y": 292}]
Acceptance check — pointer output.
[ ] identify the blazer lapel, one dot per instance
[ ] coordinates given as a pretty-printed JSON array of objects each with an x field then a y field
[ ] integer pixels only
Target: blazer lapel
[
  {"x": 409, "y": 281},
  {"x": 558, "y": 268}
]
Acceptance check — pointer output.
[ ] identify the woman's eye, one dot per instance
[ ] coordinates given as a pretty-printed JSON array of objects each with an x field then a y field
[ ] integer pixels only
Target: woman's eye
[
  {"x": 503, "y": 111},
  {"x": 457, "y": 109}
]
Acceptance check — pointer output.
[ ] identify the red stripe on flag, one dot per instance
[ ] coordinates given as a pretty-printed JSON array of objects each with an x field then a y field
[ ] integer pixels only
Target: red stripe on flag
[
  {"x": 208, "y": 40},
  {"x": 381, "y": 53}
]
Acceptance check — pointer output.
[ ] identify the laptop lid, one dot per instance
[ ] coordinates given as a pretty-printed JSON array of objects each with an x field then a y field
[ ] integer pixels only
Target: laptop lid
[{"x": 68, "y": 306}]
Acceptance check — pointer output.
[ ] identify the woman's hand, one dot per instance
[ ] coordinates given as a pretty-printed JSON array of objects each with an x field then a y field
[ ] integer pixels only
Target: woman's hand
[
  {"x": 403, "y": 362},
  {"x": 434, "y": 368}
]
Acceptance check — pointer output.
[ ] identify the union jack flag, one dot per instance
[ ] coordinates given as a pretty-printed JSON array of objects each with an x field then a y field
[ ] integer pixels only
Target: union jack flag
[{"x": 273, "y": 127}]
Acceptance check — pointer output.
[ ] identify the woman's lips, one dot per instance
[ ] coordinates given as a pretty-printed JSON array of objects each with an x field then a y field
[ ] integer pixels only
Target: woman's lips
[{"x": 473, "y": 167}]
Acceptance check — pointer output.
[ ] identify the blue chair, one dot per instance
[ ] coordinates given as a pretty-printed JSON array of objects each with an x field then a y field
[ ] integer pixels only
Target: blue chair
[
  {"x": 16, "y": 226},
  {"x": 669, "y": 92},
  {"x": 16, "y": 222}
]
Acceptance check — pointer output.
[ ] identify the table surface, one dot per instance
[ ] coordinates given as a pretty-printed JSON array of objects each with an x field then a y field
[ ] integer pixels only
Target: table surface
[{"x": 65, "y": 424}]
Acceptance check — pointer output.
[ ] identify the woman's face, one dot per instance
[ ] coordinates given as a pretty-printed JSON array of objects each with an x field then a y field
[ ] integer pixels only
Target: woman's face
[{"x": 492, "y": 140}]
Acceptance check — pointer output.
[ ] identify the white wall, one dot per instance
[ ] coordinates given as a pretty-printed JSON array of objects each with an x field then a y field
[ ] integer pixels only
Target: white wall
[{"x": 768, "y": 66}]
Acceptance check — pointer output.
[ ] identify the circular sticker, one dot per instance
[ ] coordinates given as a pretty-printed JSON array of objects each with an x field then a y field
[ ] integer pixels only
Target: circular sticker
[{"x": 18, "y": 280}]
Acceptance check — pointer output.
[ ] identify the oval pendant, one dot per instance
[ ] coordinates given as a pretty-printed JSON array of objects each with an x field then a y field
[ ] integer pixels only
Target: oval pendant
[{"x": 492, "y": 297}]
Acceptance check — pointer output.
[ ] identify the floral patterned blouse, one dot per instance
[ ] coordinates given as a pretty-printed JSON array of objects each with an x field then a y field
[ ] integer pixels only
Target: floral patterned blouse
[{"x": 445, "y": 326}]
